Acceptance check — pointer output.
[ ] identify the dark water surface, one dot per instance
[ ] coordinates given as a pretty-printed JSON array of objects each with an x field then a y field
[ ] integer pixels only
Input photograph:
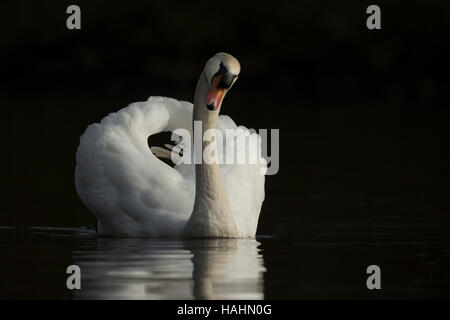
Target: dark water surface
[{"x": 322, "y": 260}]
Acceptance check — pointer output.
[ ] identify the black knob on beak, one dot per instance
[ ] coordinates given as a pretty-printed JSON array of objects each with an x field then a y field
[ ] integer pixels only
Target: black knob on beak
[
  {"x": 227, "y": 78},
  {"x": 226, "y": 81}
]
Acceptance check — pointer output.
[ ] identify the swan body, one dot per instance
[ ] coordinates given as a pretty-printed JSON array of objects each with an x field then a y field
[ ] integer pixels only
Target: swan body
[{"x": 133, "y": 193}]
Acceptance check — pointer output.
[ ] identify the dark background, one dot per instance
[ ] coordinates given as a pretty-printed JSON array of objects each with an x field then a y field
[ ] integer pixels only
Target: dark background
[{"x": 362, "y": 117}]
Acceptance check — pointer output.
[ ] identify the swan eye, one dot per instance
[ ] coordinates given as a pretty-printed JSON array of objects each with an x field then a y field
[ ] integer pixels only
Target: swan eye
[
  {"x": 227, "y": 79},
  {"x": 222, "y": 70}
]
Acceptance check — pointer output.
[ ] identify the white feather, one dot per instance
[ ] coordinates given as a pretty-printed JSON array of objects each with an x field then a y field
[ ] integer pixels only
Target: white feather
[{"x": 133, "y": 193}]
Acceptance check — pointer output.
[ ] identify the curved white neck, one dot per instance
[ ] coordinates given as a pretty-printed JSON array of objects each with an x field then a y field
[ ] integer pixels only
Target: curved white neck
[{"x": 211, "y": 216}]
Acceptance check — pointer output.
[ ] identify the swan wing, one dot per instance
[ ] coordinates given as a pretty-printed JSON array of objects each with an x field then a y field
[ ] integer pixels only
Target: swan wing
[{"x": 127, "y": 187}]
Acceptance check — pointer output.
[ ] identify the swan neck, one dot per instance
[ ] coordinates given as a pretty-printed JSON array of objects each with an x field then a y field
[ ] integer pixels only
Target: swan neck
[
  {"x": 201, "y": 112},
  {"x": 211, "y": 216}
]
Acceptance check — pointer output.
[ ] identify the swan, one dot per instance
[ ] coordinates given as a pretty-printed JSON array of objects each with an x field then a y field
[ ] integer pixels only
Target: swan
[{"x": 133, "y": 193}]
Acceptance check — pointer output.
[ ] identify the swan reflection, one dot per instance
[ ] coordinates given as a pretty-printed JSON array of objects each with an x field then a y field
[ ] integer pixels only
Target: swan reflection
[{"x": 170, "y": 269}]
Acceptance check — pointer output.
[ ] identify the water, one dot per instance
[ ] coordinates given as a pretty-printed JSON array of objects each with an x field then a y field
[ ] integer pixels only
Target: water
[{"x": 326, "y": 259}]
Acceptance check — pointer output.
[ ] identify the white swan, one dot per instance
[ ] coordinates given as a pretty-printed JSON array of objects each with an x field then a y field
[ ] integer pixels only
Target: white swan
[{"x": 133, "y": 193}]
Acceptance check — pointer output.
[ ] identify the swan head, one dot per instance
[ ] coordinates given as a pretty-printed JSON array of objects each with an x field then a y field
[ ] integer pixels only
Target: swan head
[{"x": 221, "y": 72}]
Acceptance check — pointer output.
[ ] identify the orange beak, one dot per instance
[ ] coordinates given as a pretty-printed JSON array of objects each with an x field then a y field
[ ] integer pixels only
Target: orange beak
[{"x": 215, "y": 94}]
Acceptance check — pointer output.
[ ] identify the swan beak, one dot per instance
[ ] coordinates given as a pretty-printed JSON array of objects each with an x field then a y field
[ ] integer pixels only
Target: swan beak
[{"x": 215, "y": 94}]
